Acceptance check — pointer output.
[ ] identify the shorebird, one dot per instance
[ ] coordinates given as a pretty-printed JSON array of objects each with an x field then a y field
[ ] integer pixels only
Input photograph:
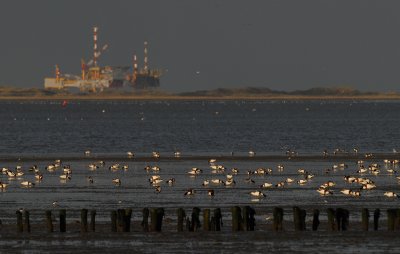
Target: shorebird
[
  {"x": 301, "y": 171},
  {"x": 177, "y": 154},
  {"x": 130, "y": 154},
  {"x": 324, "y": 192},
  {"x": 230, "y": 182},
  {"x": 27, "y": 184},
  {"x": 390, "y": 194},
  {"x": 65, "y": 176},
  {"x": 90, "y": 179},
  {"x": 155, "y": 168},
  {"x": 257, "y": 194},
  {"x": 38, "y": 176},
  {"x": 266, "y": 185},
  {"x": 302, "y": 181},
  {"x": 93, "y": 166},
  {"x": 156, "y": 155},
  {"x": 195, "y": 171},
  {"x": 235, "y": 170},
  {"x": 217, "y": 181},
  {"x": 189, "y": 192},
  {"x": 87, "y": 152},
  {"x": 157, "y": 189},
  {"x": 116, "y": 181},
  {"x": 170, "y": 181},
  {"x": 210, "y": 192},
  {"x": 289, "y": 180}
]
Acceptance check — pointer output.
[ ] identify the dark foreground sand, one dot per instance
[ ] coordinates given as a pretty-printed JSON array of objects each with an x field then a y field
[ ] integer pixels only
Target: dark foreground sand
[{"x": 263, "y": 240}]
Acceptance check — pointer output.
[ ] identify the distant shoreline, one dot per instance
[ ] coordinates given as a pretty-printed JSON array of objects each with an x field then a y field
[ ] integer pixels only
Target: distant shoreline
[{"x": 196, "y": 98}]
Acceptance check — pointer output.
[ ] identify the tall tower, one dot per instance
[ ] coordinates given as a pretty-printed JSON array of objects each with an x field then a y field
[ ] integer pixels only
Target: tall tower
[
  {"x": 135, "y": 68},
  {"x": 95, "y": 53},
  {"x": 146, "y": 63},
  {"x": 58, "y": 73}
]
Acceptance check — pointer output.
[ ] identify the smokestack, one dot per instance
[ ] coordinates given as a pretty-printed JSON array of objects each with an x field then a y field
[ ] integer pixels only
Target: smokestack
[
  {"x": 135, "y": 68},
  {"x": 83, "y": 69},
  {"x": 146, "y": 67},
  {"x": 58, "y": 73},
  {"x": 95, "y": 46}
]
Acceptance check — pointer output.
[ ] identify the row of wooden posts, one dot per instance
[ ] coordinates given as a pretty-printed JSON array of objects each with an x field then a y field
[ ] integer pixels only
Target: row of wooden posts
[{"x": 242, "y": 219}]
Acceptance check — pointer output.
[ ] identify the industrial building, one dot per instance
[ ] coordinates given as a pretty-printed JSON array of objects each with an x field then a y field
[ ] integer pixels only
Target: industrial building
[{"x": 94, "y": 78}]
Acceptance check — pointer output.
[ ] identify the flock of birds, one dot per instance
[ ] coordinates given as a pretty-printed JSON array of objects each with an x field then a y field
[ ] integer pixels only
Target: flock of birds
[{"x": 358, "y": 181}]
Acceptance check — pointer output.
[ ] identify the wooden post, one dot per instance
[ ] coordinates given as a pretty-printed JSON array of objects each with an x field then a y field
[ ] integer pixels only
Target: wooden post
[
  {"x": 206, "y": 220},
  {"x": 278, "y": 219},
  {"x": 127, "y": 218},
  {"x": 84, "y": 226},
  {"x": 345, "y": 219},
  {"x": 188, "y": 224},
  {"x": 63, "y": 220},
  {"x": 338, "y": 217},
  {"x": 397, "y": 220},
  {"x": 217, "y": 219},
  {"x": 113, "y": 221},
  {"x": 153, "y": 216},
  {"x": 181, "y": 217},
  {"x": 315, "y": 222},
  {"x": 236, "y": 218},
  {"x": 49, "y": 222},
  {"x": 299, "y": 217},
  {"x": 120, "y": 220},
  {"x": 27, "y": 225},
  {"x": 331, "y": 219},
  {"x": 93, "y": 220},
  {"x": 248, "y": 218},
  {"x": 365, "y": 219},
  {"x": 20, "y": 227},
  {"x": 145, "y": 221},
  {"x": 377, "y": 214},
  {"x": 160, "y": 216},
  {"x": 391, "y": 217},
  {"x": 195, "y": 225}
]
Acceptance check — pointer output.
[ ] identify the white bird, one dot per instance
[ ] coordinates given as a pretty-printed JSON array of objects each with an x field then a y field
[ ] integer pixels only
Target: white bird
[
  {"x": 289, "y": 180},
  {"x": 130, "y": 154},
  {"x": 230, "y": 182},
  {"x": 257, "y": 194},
  {"x": 65, "y": 177},
  {"x": 302, "y": 181},
  {"x": 217, "y": 181},
  {"x": 324, "y": 192},
  {"x": 390, "y": 194},
  {"x": 117, "y": 181},
  {"x": 189, "y": 192},
  {"x": 266, "y": 185},
  {"x": 27, "y": 184}
]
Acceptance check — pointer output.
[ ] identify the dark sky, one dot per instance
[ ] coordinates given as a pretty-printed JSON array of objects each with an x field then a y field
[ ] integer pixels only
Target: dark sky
[{"x": 281, "y": 44}]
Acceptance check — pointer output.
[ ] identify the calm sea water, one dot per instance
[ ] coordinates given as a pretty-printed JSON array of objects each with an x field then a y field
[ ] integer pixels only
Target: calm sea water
[{"x": 195, "y": 128}]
